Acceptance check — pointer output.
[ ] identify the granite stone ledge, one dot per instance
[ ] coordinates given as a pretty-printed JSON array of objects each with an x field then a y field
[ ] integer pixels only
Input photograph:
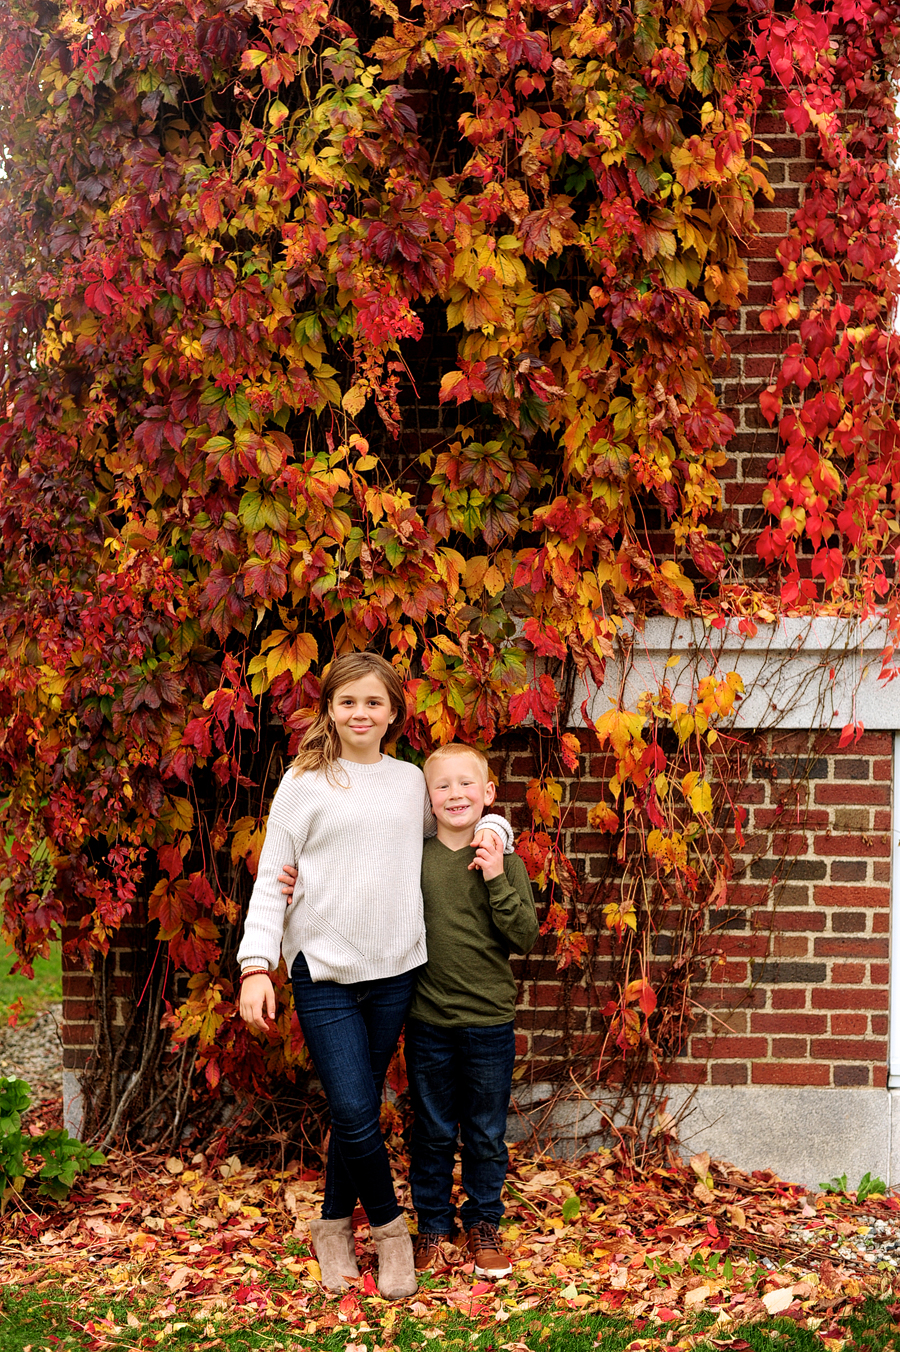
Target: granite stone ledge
[
  {"x": 786, "y": 669},
  {"x": 806, "y": 1135}
]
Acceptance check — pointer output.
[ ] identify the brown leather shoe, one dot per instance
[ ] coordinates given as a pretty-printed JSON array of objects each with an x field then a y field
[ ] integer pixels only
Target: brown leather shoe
[
  {"x": 486, "y": 1248},
  {"x": 427, "y": 1249}
]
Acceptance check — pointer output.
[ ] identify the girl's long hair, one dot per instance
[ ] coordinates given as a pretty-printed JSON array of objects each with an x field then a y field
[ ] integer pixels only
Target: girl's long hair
[{"x": 320, "y": 748}]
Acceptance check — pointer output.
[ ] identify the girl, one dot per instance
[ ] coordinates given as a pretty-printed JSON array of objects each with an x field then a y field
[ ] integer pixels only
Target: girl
[{"x": 347, "y": 817}]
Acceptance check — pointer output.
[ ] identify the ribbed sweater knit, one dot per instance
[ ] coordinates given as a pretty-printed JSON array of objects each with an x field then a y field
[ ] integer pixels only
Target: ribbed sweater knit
[{"x": 356, "y": 913}]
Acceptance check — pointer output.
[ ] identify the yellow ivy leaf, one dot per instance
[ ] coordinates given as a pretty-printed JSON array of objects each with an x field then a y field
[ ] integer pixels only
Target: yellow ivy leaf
[
  {"x": 354, "y": 400},
  {"x": 247, "y": 841},
  {"x": 619, "y": 728},
  {"x": 278, "y": 111}
]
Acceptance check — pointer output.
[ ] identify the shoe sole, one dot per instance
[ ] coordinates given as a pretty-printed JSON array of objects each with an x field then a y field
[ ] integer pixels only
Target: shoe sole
[{"x": 493, "y": 1272}]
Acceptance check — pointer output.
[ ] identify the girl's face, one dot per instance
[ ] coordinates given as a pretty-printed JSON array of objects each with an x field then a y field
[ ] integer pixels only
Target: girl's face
[{"x": 361, "y": 712}]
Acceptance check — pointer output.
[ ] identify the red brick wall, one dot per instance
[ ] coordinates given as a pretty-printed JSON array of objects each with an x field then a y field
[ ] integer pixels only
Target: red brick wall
[
  {"x": 798, "y": 988},
  {"x": 125, "y": 976},
  {"x": 79, "y": 1012},
  {"x": 755, "y": 354}
]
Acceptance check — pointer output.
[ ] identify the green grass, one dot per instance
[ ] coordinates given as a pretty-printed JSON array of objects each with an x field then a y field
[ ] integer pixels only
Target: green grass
[
  {"x": 40, "y": 1320},
  {"x": 44, "y": 990}
]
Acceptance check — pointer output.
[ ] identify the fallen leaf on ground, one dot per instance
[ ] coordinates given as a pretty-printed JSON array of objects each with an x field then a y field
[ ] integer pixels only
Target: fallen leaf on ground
[
  {"x": 226, "y": 1246},
  {"x": 776, "y": 1301}
]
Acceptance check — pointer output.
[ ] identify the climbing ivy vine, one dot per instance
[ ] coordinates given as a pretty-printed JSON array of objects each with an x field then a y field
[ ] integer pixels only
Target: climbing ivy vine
[{"x": 328, "y": 326}]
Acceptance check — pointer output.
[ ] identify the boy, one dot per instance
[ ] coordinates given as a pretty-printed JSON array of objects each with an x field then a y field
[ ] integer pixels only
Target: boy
[{"x": 460, "y": 1046}]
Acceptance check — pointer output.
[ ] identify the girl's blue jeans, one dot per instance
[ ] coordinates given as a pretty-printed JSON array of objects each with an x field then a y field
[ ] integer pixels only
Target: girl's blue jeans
[
  {"x": 460, "y": 1082},
  {"x": 352, "y": 1033}
]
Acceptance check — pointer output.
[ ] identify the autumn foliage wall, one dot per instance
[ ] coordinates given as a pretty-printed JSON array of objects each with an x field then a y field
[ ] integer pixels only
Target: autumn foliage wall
[{"x": 229, "y": 233}]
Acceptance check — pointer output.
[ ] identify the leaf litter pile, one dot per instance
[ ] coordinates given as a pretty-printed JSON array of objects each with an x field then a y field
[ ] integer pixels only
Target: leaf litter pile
[{"x": 219, "y": 1246}]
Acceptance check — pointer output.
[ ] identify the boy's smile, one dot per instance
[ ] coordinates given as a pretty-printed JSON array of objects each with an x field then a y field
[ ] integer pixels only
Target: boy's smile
[{"x": 459, "y": 793}]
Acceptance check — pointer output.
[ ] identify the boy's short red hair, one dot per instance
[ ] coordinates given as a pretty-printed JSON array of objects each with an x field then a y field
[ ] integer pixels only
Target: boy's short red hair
[{"x": 459, "y": 749}]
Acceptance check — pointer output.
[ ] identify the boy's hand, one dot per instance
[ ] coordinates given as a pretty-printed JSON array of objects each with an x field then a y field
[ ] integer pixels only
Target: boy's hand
[
  {"x": 288, "y": 878},
  {"x": 488, "y": 854},
  {"x": 258, "y": 1000},
  {"x": 482, "y": 837}
]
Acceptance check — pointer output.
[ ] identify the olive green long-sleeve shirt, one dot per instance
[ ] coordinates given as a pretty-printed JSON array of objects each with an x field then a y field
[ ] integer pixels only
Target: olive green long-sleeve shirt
[{"x": 471, "y": 926}]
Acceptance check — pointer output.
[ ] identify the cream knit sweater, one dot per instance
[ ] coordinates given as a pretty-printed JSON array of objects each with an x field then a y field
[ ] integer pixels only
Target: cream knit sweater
[{"x": 356, "y": 912}]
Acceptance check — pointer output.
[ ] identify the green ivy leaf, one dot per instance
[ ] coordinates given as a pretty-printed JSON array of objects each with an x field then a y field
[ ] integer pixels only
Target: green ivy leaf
[
  {"x": 570, "y": 1209},
  {"x": 237, "y": 406}
]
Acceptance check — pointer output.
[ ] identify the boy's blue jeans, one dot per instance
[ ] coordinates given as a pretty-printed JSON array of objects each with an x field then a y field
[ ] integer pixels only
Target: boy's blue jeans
[
  {"x": 460, "y": 1081},
  {"x": 352, "y": 1032}
]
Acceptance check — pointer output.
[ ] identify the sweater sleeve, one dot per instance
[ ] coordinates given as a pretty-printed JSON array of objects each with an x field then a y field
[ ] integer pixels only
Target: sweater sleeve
[
  {"x": 429, "y": 822},
  {"x": 492, "y": 821},
  {"x": 512, "y": 906},
  {"x": 264, "y": 923}
]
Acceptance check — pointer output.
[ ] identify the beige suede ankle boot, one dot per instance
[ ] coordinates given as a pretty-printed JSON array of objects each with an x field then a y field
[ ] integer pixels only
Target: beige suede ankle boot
[
  {"x": 333, "y": 1243},
  {"x": 396, "y": 1264}
]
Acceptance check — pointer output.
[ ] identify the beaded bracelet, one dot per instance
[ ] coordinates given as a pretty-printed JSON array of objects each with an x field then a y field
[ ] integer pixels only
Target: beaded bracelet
[{"x": 254, "y": 971}]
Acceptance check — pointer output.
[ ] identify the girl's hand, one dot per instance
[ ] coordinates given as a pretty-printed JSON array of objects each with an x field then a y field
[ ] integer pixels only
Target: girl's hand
[
  {"x": 288, "y": 878},
  {"x": 258, "y": 1000},
  {"x": 488, "y": 855}
]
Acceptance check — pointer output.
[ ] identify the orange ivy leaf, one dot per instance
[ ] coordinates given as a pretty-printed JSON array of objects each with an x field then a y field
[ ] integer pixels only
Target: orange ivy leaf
[{"x": 543, "y": 797}]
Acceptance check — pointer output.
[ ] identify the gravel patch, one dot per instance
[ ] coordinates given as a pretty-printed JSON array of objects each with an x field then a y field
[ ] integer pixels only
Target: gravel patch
[
  {"x": 33, "y": 1052},
  {"x": 876, "y": 1242},
  {"x": 861, "y": 1240}
]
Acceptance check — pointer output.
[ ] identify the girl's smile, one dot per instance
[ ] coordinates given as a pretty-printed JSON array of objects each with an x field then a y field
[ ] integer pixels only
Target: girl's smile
[{"x": 362, "y": 713}]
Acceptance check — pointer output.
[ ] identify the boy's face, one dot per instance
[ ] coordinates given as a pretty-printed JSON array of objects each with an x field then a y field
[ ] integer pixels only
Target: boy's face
[{"x": 458, "y": 791}]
